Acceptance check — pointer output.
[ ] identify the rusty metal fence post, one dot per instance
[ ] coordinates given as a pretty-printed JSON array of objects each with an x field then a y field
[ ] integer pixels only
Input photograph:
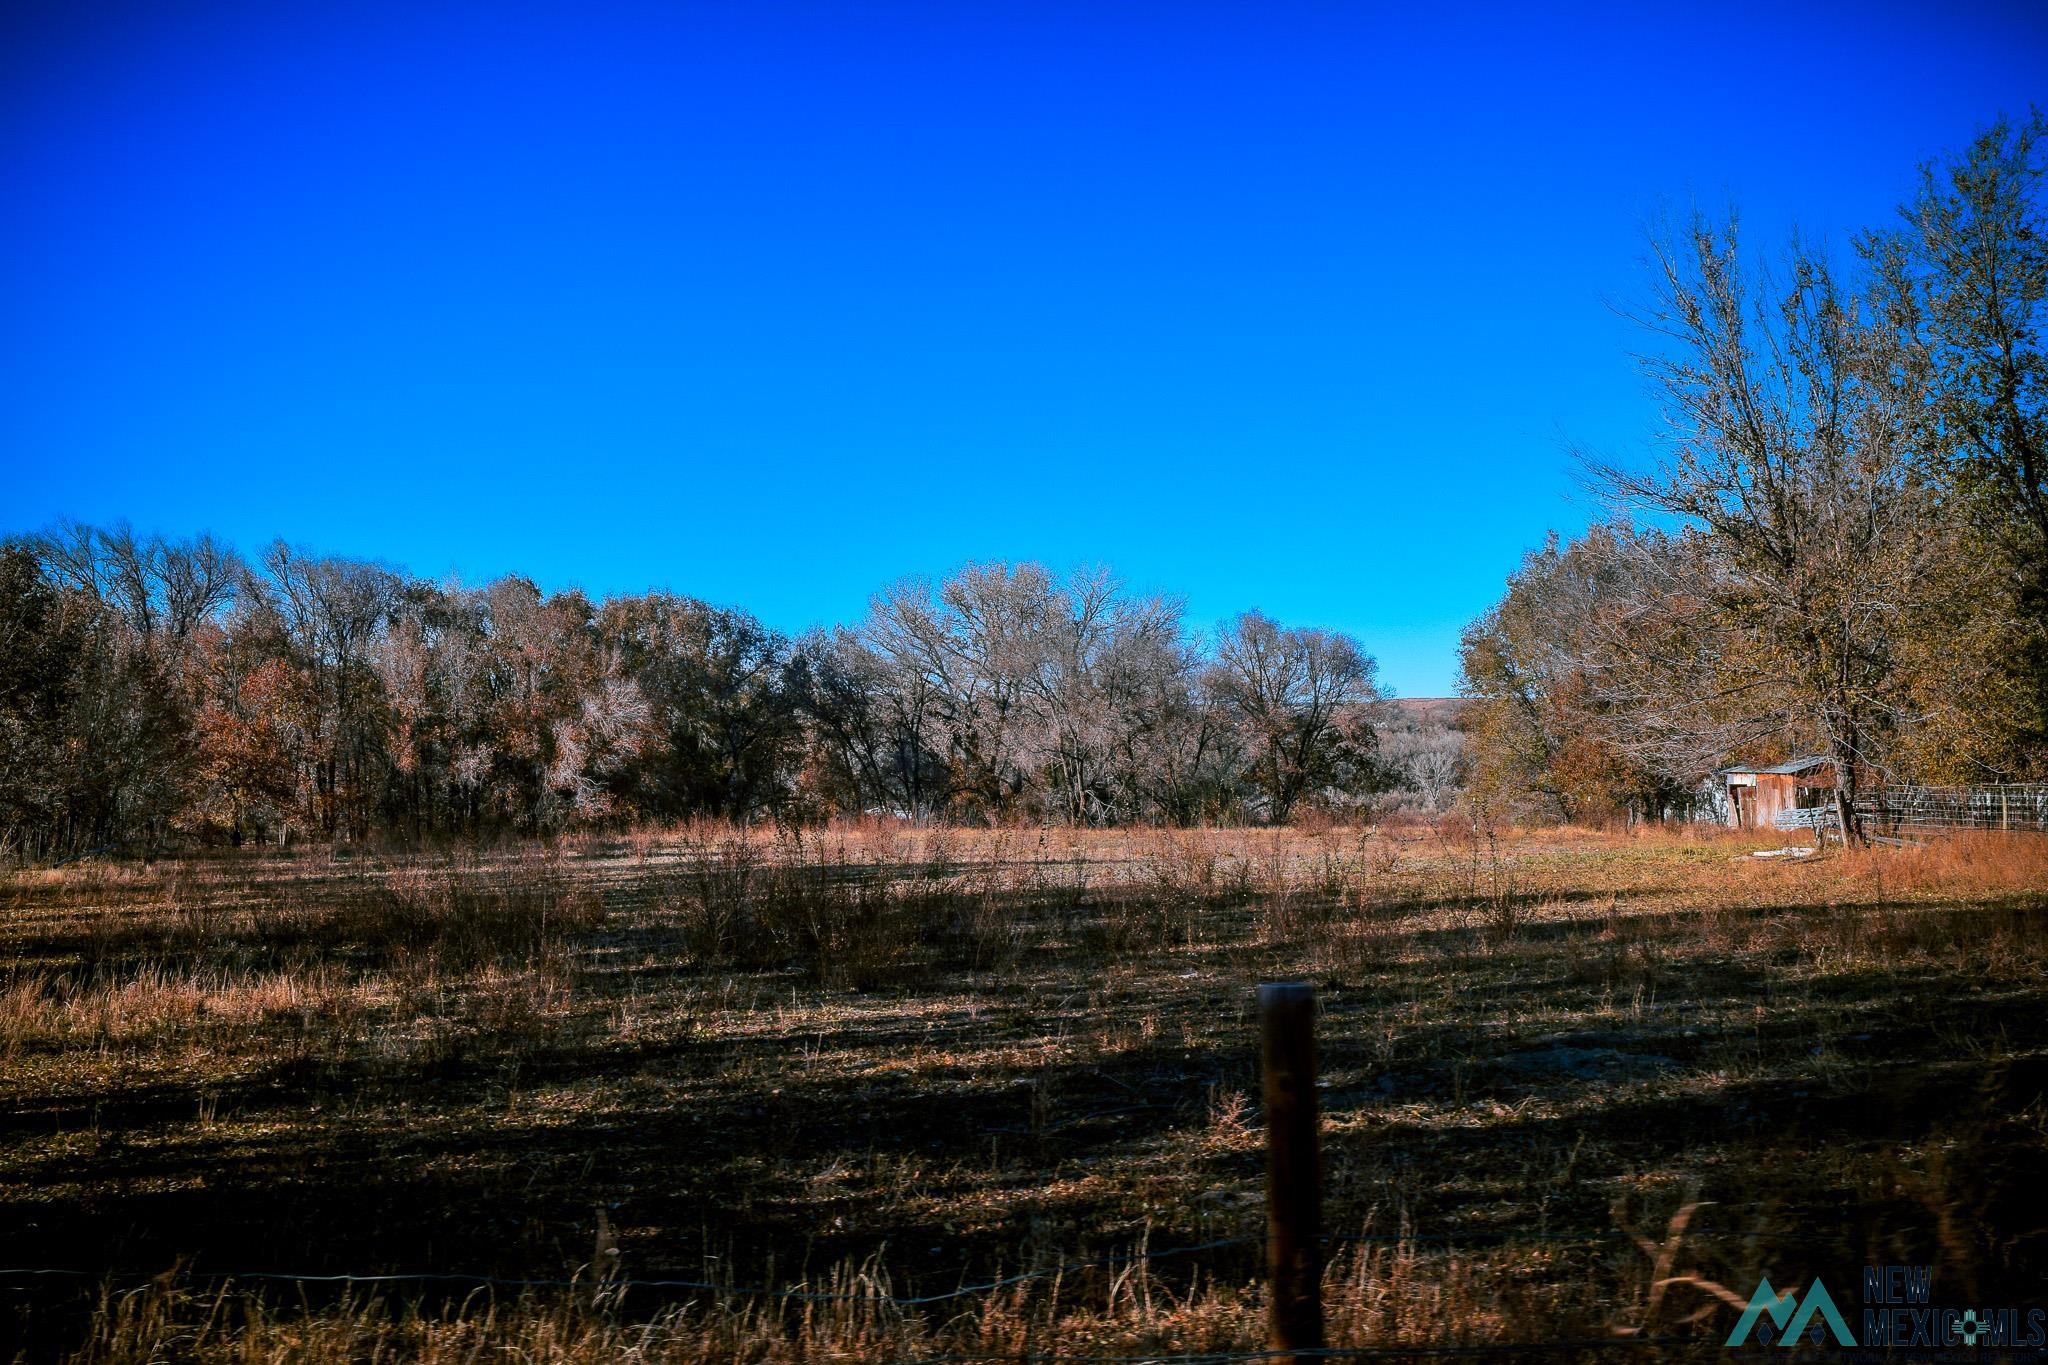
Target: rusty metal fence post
[{"x": 1294, "y": 1165}]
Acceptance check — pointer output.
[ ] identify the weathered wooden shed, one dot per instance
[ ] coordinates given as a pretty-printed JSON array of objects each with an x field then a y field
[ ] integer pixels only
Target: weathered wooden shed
[{"x": 1755, "y": 795}]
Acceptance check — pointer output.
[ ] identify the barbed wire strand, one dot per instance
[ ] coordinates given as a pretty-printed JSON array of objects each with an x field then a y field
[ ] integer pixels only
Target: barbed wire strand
[
  {"x": 1441, "y": 1350},
  {"x": 1431, "y": 1350},
  {"x": 598, "y": 1282}
]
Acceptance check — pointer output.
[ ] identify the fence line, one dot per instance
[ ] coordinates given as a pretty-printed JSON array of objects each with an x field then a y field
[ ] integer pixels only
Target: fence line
[
  {"x": 1505, "y": 1348},
  {"x": 798, "y": 1295},
  {"x": 1446, "y": 1240},
  {"x": 2000, "y": 806},
  {"x": 1431, "y": 1350},
  {"x": 603, "y": 1283},
  {"x": 2021, "y": 806}
]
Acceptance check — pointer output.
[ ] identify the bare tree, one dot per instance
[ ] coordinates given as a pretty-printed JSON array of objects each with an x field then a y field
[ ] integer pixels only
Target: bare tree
[
  {"x": 331, "y": 611},
  {"x": 970, "y": 644},
  {"x": 330, "y": 693},
  {"x": 1298, "y": 696},
  {"x": 1100, "y": 659},
  {"x": 158, "y": 585}
]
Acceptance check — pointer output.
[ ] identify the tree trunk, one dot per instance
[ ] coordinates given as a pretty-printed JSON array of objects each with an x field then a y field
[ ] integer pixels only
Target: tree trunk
[{"x": 1845, "y": 797}]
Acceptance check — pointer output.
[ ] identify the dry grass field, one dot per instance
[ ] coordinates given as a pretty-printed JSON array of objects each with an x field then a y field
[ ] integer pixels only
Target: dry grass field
[{"x": 1575, "y": 1082}]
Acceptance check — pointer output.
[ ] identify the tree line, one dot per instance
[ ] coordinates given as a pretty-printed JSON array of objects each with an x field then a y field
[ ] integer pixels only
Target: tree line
[
  {"x": 1842, "y": 545},
  {"x": 153, "y": 689}
]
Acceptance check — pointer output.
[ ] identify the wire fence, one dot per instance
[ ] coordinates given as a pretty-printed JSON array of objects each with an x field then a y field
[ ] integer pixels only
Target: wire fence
[
  {"x": 1448, "y": 1241},
  {"x": 1477, "y": 1237},
  {"x": 612, "y": 1288},
  {"x": 1895, "y": 811},
  {"x": 1490, "y": 1350},
  {"x": 2019, "y": 806},
  {"x": 595, "y": 1284},
  {"x": 611, "y": 1283}
]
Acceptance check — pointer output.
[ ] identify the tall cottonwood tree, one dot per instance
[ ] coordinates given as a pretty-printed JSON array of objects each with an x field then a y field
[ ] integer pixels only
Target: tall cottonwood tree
[
  {"x": 329, "y": 612},
  {"x": 720, "y": 694},
  {"x": 96, "y": 736},
  {"x": 1856, "y": 461},
  {"x": 1298, "y": 697},
  {"x": 1069, "y": 698},
  {"x": 1794, "y": 406},
  {"x": 1609, "y": 680},
  {"x": 1973, "y": 256},
  {"x": 867, "y": 723}
]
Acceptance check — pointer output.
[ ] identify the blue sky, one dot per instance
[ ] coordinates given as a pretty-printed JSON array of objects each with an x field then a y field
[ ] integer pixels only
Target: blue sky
[{"x": 1294, "y": 307}]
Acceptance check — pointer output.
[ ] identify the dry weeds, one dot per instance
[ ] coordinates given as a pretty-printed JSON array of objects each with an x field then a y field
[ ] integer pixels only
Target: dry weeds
[{"x": 881, "y": 1062}]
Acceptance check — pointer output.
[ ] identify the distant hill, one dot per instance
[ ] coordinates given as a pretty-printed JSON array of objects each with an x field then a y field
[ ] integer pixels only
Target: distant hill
[{"x": 1425, "y": 713}]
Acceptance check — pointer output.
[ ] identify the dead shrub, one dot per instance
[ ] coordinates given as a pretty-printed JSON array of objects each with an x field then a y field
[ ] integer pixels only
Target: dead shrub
[
  {"x": 712, "y": 900},
  {"x": 1313, "y": 821},
  {"x": 519, "y": 1006},
  {"x": 837, "y": 921},
  {"x": 1352, "y": 947},
  {"x": 1129, "y": 921},
  {"x": 1185, "y": 865},
  {"x": 459, "y": 920}
]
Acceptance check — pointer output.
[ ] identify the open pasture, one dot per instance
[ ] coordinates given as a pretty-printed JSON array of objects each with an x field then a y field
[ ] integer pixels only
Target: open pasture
[{"x": 1575, "y": 1082}]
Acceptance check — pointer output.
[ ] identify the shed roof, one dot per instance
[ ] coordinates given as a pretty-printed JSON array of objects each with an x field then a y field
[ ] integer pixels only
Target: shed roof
[{"x": 1797, "y": 765}]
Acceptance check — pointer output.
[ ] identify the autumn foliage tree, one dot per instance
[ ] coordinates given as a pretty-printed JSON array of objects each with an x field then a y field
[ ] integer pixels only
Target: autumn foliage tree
[
  {"x": 1843, "y": 533},
  {"x": 157, "y": 689}
]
